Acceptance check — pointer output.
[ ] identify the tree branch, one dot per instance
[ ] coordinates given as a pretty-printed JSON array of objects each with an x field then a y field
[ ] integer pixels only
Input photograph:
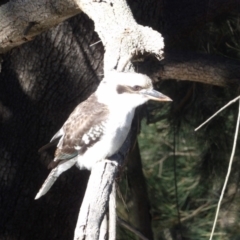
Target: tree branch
[
  {"x": 184, "y": 66},
  {"x": 20, "y": 20},
  {"x": 112, "y": 213},
  {"x": 123, "y": 39},
  {"x": 209, "y": 69},
  {"x": 130, "y": 228},
  {"x": 95, "y": 200},
  {"x": 95, "y": 203},
  {"x": 121, "y": 36}
]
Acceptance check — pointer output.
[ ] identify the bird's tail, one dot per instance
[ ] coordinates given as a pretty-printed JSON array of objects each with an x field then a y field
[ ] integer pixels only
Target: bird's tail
[
  {"x": 52, "y": 177},
  {"x": 54, "y": 174}
]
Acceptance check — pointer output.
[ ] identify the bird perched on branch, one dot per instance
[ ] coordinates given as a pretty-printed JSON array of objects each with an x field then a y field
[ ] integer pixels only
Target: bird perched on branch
[{"x": 97, "y": 128}]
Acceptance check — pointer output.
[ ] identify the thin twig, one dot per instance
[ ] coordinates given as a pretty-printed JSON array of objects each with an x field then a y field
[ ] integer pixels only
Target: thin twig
[
  {"x": 130, "y": 228},
  {"x": 202, "y": 208},
  {"x": 122, "y": 198},
  {"x": 228, "y": 104},
  {"x": 112, "y": 213},
  {"x": 188, "y": 154},
  {"x": 229, "y": 170},
  {"x": 95, "y": 43}
]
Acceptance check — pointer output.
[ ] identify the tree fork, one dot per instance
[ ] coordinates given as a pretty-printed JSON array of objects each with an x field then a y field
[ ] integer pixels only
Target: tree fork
[
  {"x": 121, "y": 36},
  {"x": 123, "y": 39}
]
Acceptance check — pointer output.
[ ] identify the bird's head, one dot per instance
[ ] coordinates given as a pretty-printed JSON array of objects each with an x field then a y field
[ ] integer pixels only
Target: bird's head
[{"x": 129, "y": 88}]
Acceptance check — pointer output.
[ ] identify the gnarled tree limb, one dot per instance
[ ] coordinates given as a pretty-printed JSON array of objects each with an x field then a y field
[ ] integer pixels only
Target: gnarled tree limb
[
  {"x": 95, "y": 201},
  {"x": 121, "y": 36},
  {"x": 197, "y": 67},
  {"x": 123, "y": 39},
  {"x": 20, "y": 20},
  {"x": 208, "y": 69}
]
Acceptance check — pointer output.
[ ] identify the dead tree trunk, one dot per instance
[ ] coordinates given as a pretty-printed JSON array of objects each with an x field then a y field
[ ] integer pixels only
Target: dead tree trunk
[
  {"x": 43, "y": 80},
  {"x": 40, "y": 84}
]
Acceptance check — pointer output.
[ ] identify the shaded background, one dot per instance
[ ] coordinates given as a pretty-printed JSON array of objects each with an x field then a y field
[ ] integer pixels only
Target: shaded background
[{"x": 42, "y": 81}]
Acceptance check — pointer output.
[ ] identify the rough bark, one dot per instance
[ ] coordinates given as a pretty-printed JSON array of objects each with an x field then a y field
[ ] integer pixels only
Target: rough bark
[
  {"x": 118, "y": 28},
  {"x": 95, "y": 201},
  {"x": 121, "y": 36},
  {"x": 202, "y": 68},
  {"x": 181, "y": 23},
  {"x": 123, "y": 40},
  {"x": 40, "y": 84},
  {"x": 17, "y": 27},
  {"x": 30, "y": 83},
  {"x": 213, "y": 70},
  {"x": 21, "y": 21}
]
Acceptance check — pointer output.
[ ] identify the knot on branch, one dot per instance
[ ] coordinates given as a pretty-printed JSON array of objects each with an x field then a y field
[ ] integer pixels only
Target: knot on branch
[{"x": 131, "y": 43}]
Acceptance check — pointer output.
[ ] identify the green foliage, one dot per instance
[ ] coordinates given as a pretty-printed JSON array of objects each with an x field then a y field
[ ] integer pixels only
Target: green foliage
[
  {"x": 221, "y": 36},
  {"x": 195, "y": 197},
  {"x": 172, "y": 153},
  {"x": 170, "y": 148}
]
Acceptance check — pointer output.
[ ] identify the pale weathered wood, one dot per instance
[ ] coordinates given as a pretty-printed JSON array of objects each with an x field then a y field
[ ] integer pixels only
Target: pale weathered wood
[
  {"x": 121, "y": 36},
  {"x": 95, "y": 200},
  {"x": 112, "y": 213},
  {"x": 104, "y": 229},
  {"x": 20, "y": 20},
  {"x": 123, "y": 40}
]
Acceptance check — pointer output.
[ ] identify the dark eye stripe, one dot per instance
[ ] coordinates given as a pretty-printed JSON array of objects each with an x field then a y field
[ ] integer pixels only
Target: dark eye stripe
[
  {"x": 122, "y": 89},
  {"x": 136, "y": 88},
  {"x": 127, "y": 89}
]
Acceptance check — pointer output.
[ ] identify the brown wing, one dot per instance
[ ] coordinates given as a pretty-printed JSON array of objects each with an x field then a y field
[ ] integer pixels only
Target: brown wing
[{"x": 84, "y": 127}]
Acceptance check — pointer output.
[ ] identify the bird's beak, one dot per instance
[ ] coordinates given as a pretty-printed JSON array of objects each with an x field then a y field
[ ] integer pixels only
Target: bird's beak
[{"x": 156, "y": 96}]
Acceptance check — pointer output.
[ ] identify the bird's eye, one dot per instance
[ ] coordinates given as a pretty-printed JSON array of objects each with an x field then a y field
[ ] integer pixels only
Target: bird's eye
[{"x": 137, "y": 88}]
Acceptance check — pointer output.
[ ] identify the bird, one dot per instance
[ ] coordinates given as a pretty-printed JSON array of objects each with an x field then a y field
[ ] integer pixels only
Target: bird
[{"x": 98, "y": 126}]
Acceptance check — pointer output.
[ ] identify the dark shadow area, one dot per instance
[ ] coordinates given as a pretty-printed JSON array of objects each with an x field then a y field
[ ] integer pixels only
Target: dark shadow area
[{"x": 40, "y": 84}]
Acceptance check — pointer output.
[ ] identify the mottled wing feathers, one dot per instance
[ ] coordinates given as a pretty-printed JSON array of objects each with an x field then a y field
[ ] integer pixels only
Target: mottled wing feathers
[{"x": 83, "y": 128}]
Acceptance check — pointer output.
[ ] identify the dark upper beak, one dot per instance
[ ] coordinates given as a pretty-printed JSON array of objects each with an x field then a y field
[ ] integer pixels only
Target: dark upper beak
[{"x": 156, "y": 96}]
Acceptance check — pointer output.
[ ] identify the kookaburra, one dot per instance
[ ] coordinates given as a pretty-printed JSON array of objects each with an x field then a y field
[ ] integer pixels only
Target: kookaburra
[{"x": 97, "y": 128}]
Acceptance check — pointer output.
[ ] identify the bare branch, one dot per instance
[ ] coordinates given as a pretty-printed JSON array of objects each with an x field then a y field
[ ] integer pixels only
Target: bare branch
[
  {"x": 20, "y": 20},
  {"x": 228, "y": 173},
  {"x": 196, "y": 67},
  {"x": 95, "y": 203},
  {"x": 209, "y": 69},
  {"x": 130, "y": 228},
  {"x": 216, "y": 113},
  {"x": 95, "y": 200},
  {"x": 112, "y": 213},
  {"x": 122, "y": 37}
]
